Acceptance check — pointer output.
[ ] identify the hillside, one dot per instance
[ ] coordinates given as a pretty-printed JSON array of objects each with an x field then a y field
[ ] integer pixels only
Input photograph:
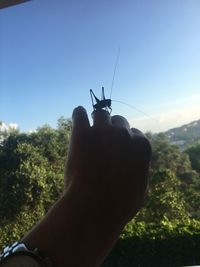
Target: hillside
[{"x": 184, "y": 135}]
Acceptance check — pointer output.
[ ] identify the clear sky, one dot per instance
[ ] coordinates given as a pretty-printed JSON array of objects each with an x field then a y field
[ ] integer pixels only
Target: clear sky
[{"x": 53, "y": 52}]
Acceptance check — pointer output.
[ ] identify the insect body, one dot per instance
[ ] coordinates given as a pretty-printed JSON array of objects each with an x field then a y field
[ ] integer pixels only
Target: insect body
[{"x": 101, "y": 104}]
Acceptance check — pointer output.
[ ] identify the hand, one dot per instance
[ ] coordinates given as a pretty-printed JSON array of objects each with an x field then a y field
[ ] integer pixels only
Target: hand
[
  {"x": 106, "y": 179},
  {"x": 108, "y": 165}
]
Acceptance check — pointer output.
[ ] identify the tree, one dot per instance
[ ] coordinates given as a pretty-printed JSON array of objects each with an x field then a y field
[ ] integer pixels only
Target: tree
[
  {"x": 31, "y": 176},
  {"x": 167, "y": 156},
  {"x": 26, "y": 185},
  {"x": 165, "y": 201},
  {"x": 194, "y": 154},
  {"x": 168, "y": 165}
]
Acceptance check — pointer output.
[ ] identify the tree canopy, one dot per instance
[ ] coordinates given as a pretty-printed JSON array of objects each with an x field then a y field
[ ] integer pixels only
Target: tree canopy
[{"x": 31, "y": 179}]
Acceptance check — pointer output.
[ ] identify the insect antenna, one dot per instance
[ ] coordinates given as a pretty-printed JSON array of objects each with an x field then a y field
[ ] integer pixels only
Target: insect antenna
[
  {"x": 138, "y": 110},
  {"x": 103, "y": 94},
  {"x": 115, "y": 68}
]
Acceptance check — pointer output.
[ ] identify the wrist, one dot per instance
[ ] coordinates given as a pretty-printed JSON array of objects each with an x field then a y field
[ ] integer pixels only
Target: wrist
[{"x": 72, "y": 233}]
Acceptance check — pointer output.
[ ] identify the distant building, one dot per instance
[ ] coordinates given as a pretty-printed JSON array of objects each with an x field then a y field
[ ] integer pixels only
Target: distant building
[{"x": 178, "y": 142}]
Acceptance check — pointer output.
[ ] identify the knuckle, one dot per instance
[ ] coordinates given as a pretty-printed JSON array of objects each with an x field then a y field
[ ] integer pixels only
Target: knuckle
[{"x": 143, "y": 147}]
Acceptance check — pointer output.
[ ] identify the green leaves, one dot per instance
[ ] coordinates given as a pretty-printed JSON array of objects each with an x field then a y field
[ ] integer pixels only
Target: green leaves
[
  {"x": 31, "y": 177},
  {"x": 194, "y": 155}
]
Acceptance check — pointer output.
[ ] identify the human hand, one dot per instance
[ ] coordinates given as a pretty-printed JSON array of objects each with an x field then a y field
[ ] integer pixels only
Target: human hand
[
  {"x": 106, "y": 179},
  {"x": 107, "y": 166}
]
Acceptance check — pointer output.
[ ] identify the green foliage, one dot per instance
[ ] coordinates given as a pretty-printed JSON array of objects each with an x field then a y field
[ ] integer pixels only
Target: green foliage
[
  {"x": 5, "y": 132},
  {"x": 165, "y": 199},
  {"x": 24, "y": 186},
  {"x": 166, "y": 244},
  {"x": 182, "y": 250},
  {"x": 31, "y": 177},
  {"x": 194, "y": 155},
  {"x": 164, "y": 233},
  {"x": 167, "y": 156},
  {"x": 190, "y": 186}
]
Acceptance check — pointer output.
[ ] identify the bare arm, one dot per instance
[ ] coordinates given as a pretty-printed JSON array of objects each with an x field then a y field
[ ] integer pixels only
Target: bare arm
[{"x": 105, "y": 186}]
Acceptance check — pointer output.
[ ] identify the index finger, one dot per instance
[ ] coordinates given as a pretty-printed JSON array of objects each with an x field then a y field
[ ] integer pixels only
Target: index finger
[
  {"x": 101, "y": 118},
  {"x": 120, "y": 122},
  {"x": 80, "y": 121}
]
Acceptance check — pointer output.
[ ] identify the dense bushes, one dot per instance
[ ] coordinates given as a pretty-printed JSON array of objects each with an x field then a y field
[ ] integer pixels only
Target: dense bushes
[
  {"x": 166, "y": 245},
  {"x": 182, "y": 250},
  {"x": 166, "y": 232}
]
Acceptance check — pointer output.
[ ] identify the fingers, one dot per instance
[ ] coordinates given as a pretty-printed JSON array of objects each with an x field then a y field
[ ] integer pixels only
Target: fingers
[
  {"x": 101, "y": 118},
  {"x": 141, "y": 145},
  {"x": 120, "y": 122},
  {"x": 80, "y": 121},
  {"x": 140, "y": 142},
  {"x": 137, "y": 132}
]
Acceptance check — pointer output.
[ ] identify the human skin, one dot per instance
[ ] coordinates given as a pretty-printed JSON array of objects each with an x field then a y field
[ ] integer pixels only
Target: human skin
[{"x": 106, "y": 179}]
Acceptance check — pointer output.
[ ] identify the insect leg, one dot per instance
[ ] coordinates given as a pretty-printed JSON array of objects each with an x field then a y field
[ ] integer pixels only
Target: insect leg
[{"x": 93, "y": 97}]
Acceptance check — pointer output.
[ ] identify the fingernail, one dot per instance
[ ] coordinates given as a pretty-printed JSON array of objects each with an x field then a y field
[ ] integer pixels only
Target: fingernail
[{"x": 78, "y": 111}]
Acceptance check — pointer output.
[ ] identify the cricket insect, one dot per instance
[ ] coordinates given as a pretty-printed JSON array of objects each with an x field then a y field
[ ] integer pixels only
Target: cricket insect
[
  {"x": 106, "y": 103},
  {"x": 101, "y": 104}
]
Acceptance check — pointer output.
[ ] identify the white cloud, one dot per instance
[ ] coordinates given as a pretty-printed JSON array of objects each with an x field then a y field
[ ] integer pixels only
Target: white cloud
[
  {"x": 13, "y": 126},
  {"x": 167, "y": 120},
  {"x": 9, "y": 126},
  {"x": 190, "y": 99},
  {"x": 32, "y": 131}
]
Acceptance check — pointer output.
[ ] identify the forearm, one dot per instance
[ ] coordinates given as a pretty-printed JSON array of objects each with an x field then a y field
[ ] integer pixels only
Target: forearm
[
  {"x": 106, "y": 181},
  {"x": 77, "y": 238}
]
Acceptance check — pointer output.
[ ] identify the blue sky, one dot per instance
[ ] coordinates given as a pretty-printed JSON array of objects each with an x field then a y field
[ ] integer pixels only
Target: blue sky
[{"x": 53, "y": 52}]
